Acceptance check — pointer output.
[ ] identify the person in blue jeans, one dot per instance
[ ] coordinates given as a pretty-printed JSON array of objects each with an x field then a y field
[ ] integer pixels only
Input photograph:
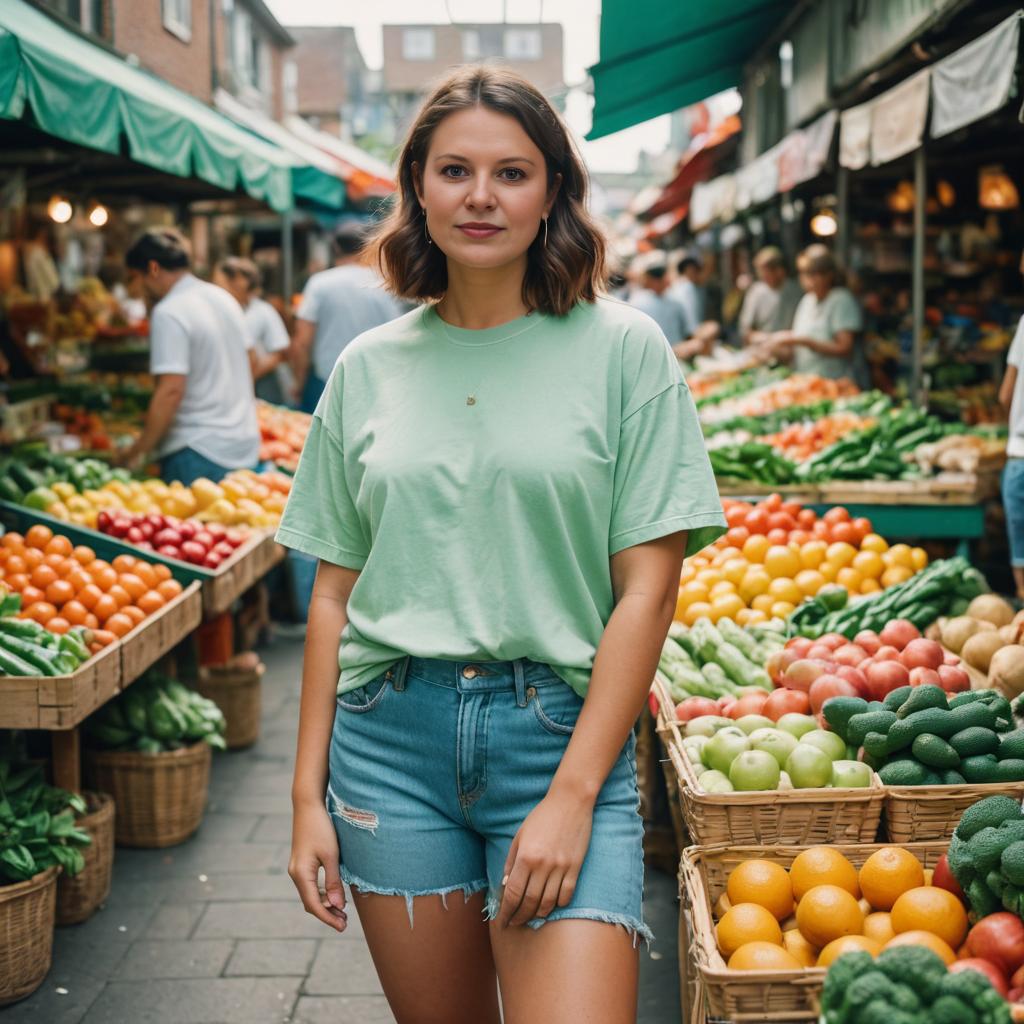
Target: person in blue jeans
[
  {"x": 1011, "y": 397},
  {"x": 500, "y": 487}
]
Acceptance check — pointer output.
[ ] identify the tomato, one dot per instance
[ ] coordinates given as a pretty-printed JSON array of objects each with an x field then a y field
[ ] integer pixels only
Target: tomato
[
  {"x": 783, "y": 701},
  {"x": 781, "y": 521},
  {"x": 756, "y": 521},
  {"x": 999, "y": 938},
  {"x": 806, "y": 518},
  {"x": 943, "y": 879},
  {"x": 985, "y": 967},
  {"x": 694, "y": 707},
  {"x": 737, "y": 536},
  {"x": 837, "y": 515},
  {"x": 843, "y": 532},
  {"x": 749, "y": 704}
]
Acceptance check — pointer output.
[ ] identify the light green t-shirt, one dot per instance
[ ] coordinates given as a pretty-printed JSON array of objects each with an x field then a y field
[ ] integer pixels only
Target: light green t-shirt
[{"x": 480, "y": 480}]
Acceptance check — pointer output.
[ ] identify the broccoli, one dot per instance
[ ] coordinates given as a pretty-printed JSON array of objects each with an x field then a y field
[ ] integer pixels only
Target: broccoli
[
  {"x": 960, "y": 862},
  {"x": 1012, "y": 863},
  {"x": 991, "y": 811},
  {"x": 1013, "y": 899},
  {"x": 951, "y": 1010},
  {"x": 1012, "y": 831},
  {"x": 982, "y": 899},
  {"x": 870, "y": 987},
  {"x": 965, "y": 985},
  {"x": 992, "y": 1008},
  {"x": 985, "y": 849},
  {"x": 995, "y": 882},
  {"x": 878, "y": 1011},
  {"x": 915, "y": 966},
  {"x": 841, "y": 974},
  {"x": 906, "y": 999}
]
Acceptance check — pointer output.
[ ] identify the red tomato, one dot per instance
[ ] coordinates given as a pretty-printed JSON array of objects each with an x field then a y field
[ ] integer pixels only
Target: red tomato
[
  {"x": 783, "y": 701},
  {"x": 777, "y": 536},
  {"x": 807, "y": 517},
  {"x": 943, "y": 879},
  {"x": 750, "y": 704},
  {"x": 837, "y": 515},
  {"x": 756, "y": 521},
  {"x": 737, "y": 536},
  {"x": 694, "y": 707},
  {"x": 781, "y": 521},
  {"x": 985, "y": 967},
  {"x": 999, "y": 938}
]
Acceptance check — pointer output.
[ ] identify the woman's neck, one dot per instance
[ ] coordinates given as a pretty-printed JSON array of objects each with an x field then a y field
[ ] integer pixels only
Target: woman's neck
[{"x": 478, "y": 298}]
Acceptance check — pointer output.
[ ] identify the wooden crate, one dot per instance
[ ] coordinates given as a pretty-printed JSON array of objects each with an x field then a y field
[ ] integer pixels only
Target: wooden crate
[
  {"x": 61, "y": 702},
  {"x": 160, "y": 632},
  {"x": 249, "y": 564},
  {"x": 806, "y": 494}
]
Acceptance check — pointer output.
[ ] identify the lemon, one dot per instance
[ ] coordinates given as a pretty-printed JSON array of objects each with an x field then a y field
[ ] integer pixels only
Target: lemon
[
  {"x": 900, "y": 555},
  {"x": 782, "y": 609},
  {"x": 810, "y": 581},
  {"x": 872, "y": 542},
  {"x": 726, "y": 606},
  {"x": 783, "y": 589},
  {"x": 754, "y": 583},
  {"x": 896, "y": 574},
  {"x": 763, "y": 602},
  {"x": 710, "y": 576},
  {"x": 870, "y": 586},
  {"x": 722, "y": 587},
  {"x": 813, "y": 553},
  {"x": 841, "y": 554},
  {"x": 755, "y": 548},
  {"x": 869, "y": 564},
  {"x": 735, "y": 569},
  {"x": 697, "y": 610},
  {"x": 850, "y": 578},
  {"x": 919, "y": 557},
  {"x": 781, "y": 562}
]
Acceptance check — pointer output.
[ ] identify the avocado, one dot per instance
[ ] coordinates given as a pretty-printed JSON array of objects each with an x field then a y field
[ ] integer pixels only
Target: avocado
[
  {"x": 981, "y": 768},
  {"x": 895, "y": 698},
  {"x": 904, "y": 772},
  {"x": 1011, "y": 745},
  {"x": 974, "y": 740},
  {"x": 869, "y": 721},
  {"x": 923, "y": 697},
  {"x": 934, "y": 752},
  {"x": 1010, "y": 769}
]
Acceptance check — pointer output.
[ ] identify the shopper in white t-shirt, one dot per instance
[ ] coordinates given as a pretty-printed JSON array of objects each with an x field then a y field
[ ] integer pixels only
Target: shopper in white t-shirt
[
  {"x": 1011, "y": 397},
  {"x": 201, "y": 421},
  {"x": 241, "y": 279}
]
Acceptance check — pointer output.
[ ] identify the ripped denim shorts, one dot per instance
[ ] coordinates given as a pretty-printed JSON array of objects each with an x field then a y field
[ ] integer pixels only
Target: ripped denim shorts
[{"x": 434, "y": 765}]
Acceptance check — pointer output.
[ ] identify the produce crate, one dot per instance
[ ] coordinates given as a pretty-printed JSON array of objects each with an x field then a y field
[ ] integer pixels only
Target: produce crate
[
  {"x": 742, "y": 996},
  {"x": 246, "y": 567},
  {"x": 930, "y": 813},
  {"x": 160, "y": 632},
  {"x": 19, "y": 419},
  {"x": 806, "y": 494},
  {"x": 61, "y": 702},
  {"x": 810, "y": 816}
]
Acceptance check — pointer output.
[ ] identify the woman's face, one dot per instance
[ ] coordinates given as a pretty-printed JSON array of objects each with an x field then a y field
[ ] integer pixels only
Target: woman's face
[
  {"x": 817, "y": 282},
  {"x": 482, "y": 168}
]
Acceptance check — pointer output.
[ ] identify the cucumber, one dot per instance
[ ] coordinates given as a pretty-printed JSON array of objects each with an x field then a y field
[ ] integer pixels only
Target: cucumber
[
  {"x": 12, "y": 665},
  {"x": 45, "y": 661}
]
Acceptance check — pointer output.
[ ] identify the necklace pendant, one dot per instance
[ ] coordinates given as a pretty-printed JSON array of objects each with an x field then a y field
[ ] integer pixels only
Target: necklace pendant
[{"x": 471, "y": 400}]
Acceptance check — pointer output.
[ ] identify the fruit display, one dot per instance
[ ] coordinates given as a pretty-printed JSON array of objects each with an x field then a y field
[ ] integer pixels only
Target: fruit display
[
  {"x": 799, "y": 441},
  {"x": 34, "y": 477},
  {"x": 62, "y": 586},
  {"x": 758, "y": 399},
  {"x": 282, "y": 434},
  {"x": 869, "y": 404},
  {"x": 717, "y": 386},
  {"x": 946, "y": 587},
  {"x": 776, "y": 554},
  {"x": 750, "y": 752},
  {"x": 156, "y": 714},
  {"x": 189, "y": 540},
  {"x": 986, "y": 857},
  {"x": 987, "y": 636}
]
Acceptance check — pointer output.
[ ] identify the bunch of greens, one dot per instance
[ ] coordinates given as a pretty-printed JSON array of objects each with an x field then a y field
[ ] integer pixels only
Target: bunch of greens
[{"x": 986, "y": 855}]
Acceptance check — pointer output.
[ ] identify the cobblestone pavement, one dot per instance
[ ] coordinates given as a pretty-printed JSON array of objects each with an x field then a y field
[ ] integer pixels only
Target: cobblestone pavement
[{"x": 211, "y": 931}]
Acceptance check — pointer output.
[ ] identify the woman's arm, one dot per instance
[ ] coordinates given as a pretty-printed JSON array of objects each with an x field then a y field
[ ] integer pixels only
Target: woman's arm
[
  {"x": 548, "y": 850},
  {"x": 840, "y": 346},
  {"x": 1007, "y": 387},
  {"x": 314, "y": 841}
]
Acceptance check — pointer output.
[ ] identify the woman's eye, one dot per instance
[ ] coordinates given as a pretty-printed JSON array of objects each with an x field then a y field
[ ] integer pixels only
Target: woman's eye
[
  {"x": 451, "y": 167},
  {"x": 514, "y": 170},
  {"x": 519, "y": 175}
]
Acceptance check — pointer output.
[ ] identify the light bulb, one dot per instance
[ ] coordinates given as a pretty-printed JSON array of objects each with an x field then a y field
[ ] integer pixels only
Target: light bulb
[
  {"x": 824, "y": 224},
  {"x": 59, "y": 210},
  {"x": 98, "y": 215}
]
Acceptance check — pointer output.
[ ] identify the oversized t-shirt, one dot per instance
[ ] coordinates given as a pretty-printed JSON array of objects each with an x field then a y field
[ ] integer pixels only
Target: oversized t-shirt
[
  {"x": 1015, "y": 357},
  {"x": 481, "y": 479},
  {"x": 822, "y": 319}
]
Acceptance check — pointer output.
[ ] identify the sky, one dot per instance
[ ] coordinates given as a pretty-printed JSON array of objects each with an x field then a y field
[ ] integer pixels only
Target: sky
[{"x": 580, "y": 20}]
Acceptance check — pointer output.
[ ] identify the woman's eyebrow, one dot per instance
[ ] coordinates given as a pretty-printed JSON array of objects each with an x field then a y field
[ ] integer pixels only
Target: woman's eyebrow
[{"x": 466, "y": 160}]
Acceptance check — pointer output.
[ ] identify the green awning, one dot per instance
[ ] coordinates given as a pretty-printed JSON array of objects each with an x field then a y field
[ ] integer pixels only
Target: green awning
[
  {"x": 658, "y": 57},
  {"x": 84, "y": 94}
]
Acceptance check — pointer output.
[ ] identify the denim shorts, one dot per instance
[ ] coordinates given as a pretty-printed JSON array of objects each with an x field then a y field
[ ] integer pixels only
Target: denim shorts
[
  {"x": 434, "y": 765},
  {"x": 1013, "y": 503}
]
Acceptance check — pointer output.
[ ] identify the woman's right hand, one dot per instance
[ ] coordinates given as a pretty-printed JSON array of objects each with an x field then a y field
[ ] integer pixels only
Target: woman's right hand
[{"x": 314, "y": 842}]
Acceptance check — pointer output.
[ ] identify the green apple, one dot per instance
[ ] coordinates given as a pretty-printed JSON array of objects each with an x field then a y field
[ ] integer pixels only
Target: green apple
[
  {"x": 715, "y": 782},
  {"x": 748, "y": 723},
  {"x": 698, "y": 768},
  {"x": 796, "y": 724},
  {"x": 754, "y": 769},
  {"x": 720, "y": 751},
  {"x": 775, "y": 742},
  {"x": 706, "y": 725},
  {"x": 809, "y": 767},
  {"x": 827, "y": 742},
  {"x": 693, "y": 745},
  {"x": 850, "y": 774}
]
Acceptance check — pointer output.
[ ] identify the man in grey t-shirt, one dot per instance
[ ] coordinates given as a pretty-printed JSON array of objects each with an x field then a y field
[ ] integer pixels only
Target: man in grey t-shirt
[
  {"x": 771, "y": 301},
  {"x": 337, "y": 305}
]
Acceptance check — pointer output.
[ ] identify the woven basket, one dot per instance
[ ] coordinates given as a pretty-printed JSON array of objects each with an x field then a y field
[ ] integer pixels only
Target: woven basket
[
  {"x": 237, "y": 693},
  {"x": 742, "y": 996},
  {"x": 930, "y": 813},
  {"x": 160, "y": 798},
  {"x": 26, "y": 934},
  {"x": 79, "y": 896}
]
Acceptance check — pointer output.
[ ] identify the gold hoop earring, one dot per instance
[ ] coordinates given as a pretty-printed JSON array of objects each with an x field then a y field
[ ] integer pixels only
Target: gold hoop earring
[{"x": 426, "y": 233}]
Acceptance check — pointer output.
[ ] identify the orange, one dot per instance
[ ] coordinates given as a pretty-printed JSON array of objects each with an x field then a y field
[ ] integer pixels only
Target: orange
[
  {"x": 124, "y": 563},
  {"x": 930, "y": 909},
  {"x": 822, "y": 865},
  {"x": 134, "y": 613},
  {"x": 83, "y": 555},
  {"x": 59, "y": 545},
  {"x": 119, "y": 624},
  {"x": 151, "y": 601},
  {"x": 58, "y": 624},
  {"x": 878, "y": 926},
  {"x": 55, "y": 561},
  {"x": 746, "y": 922},
  {"x": 33, "y": 557},
  {"x": 887, "y": 874},
  {"x": 104, "y": 607},
  {"x": 762, "y": 882},
  {"x": 795, "y": 944},
  {"x": 168, "y": 588},
  {"x": 78, "y": 578},
  {"x": 828, "y": 912},
  {"x": 16, "y": 565},
  {"x": 104, "y": 577},
  {"x": 162, "y": 571},
  {"x": 59, "y": 592},
  {"x": 763, "y": 956},
  {"x": 91, "y": 622},
  {"x": 43, "y": 575},
  {"x": 145, "y": 573},
  {"x": 926, "y": 939},
  {"x": 38, "y": 536},
  {"x": 120, "y": 595},
  {"x": 89, "y": 595},
  {"x": 848, "y": 944},
  {"x": 12, "y": 541},
  {"x": 18, "y": 582},
  {"x": 30, "y": 594},
  {"x": 41, "y": 611},
  {"x": 75, "y": 612},
  {"x": 133, "y": 584}
]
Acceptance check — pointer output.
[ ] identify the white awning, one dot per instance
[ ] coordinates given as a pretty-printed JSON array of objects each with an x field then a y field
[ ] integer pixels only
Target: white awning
[
  {"x": 897, "y": 118},
  {"x": 855, "y": 137}
]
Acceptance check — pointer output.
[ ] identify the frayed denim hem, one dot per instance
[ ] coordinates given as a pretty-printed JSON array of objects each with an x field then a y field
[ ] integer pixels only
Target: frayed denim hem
[
  {"x": 634, "y": 927},
  {"x": 468, "y": 889}
]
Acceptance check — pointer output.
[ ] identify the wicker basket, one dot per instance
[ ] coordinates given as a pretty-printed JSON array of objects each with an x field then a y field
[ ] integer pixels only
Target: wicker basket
[
  {"x": 236, "y": 691},
  {"x": 930, "y": 813},
  {"x": 79, "y": 896},
  {"x": 160, "y": 798},
  {"x": 742, "y": 996},
  {"x": 26, "y": 934}
]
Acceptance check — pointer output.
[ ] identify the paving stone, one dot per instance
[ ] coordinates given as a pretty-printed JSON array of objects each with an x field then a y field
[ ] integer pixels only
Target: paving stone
[
  {"x": 202, "y": 858},
  {"x": 250, "y": 804},
  {"x": 248, "y": 885},
  {"x": 272, "y": 828},
  {"x": 117, "y": 923},
  {"x": 265, "y": 919},
  {"x": 343, "y": 1010},
  {"x": 48, "y": 1006},
  {"x": 344, "y": 969},
  {"x": 78, "y": 949},
  {"x": 196, "y": 1001},
  {"x": 271, "y": 957},
  {"x": 225, "y": 828},
  {"x": 176, "y": 958}
]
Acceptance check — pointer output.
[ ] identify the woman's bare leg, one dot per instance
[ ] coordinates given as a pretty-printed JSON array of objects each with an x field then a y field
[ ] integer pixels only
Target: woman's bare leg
[{"x": 438, "y": 972}]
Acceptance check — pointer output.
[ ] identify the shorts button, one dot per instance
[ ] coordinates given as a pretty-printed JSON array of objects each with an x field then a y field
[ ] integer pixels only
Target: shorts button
[
  {"x": 470, "y": 672},
  {"x": 531, "y": 691}
]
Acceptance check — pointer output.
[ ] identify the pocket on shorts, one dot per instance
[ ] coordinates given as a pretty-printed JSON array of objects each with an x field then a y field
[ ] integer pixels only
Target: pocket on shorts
[
  {"x": 556, "y": 707},
  {"x": 368, "y": 696}
]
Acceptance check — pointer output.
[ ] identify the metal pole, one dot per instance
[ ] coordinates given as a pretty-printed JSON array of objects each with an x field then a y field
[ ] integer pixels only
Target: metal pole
[
  {"x": 843, "y": 216},
  {"x": 287, "y": 258},
  {"x": 920, "y": 186}
]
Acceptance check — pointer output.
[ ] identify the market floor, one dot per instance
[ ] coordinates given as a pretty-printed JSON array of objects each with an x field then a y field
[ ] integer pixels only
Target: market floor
[{"x": 211, "y": 931}]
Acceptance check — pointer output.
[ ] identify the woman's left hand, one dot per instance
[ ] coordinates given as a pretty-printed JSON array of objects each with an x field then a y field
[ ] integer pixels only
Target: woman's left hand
[{"x": 545, "y": 858}]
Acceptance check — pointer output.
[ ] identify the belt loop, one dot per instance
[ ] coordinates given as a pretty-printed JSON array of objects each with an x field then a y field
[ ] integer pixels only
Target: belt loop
[
  {"x": 401, "y": 670},
  {"x": 519, "y": 668}
]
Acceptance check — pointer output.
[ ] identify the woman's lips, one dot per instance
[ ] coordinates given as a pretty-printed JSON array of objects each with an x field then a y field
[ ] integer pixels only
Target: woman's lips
[{"x": 479, "y": 232}]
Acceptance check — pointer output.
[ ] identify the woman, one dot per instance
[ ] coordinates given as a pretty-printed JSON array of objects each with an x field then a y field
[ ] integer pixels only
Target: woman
[
  {"x": 500, "y": 486},
  {"x": 1011, "y": 398},
  {"x": 826, "y": 325}
]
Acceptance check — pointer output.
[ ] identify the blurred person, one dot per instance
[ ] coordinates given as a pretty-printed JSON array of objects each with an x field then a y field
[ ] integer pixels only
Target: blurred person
[
  {"x": 42, "y": 278},
  {"x": 1011, "y": 397},
  {"x": 132, "y": 306},
  {"x": 770, "y": 302},
  {"x": 500, "y": 487},
  {"x": 337, "y": 305},
  {"x": 650, "y": 296},
  {"x": 688, "y": 292},
  {"x": 201, "y": 420},
  {"x": 271, "y": 345},
  {"x": 825, "y": 337}
]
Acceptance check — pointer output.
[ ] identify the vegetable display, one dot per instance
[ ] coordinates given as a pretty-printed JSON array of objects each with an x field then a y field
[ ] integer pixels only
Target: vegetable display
[
  {"x": 205, "y": 544},
  {"x": 156, "y": 714},
  {"x": 282, "y": 434},
  {"x": 34, "y": 477},
  {"x": 986, "y": 855}
]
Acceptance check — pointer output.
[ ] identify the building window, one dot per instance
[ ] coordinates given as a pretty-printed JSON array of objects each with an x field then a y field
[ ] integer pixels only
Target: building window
[
  {"x": 522, "y": 44},
  {"x": 290, "y": 86},
  {"x": 177, "y": 18},
  {"x": 471, "y": 45},
  {"x": 418, "y": 44},
  {"x": 243, "y": 49}
]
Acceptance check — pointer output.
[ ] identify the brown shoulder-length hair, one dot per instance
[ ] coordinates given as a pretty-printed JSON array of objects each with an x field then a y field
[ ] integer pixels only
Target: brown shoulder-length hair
[{"x": 570, "y": 268}]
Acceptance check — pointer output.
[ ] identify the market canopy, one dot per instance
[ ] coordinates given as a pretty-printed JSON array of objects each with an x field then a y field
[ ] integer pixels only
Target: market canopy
[
  {"x": 365, "y": 175},
  {"x": 656, "y": 58},
  {"x": 84, "y": 94}
]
